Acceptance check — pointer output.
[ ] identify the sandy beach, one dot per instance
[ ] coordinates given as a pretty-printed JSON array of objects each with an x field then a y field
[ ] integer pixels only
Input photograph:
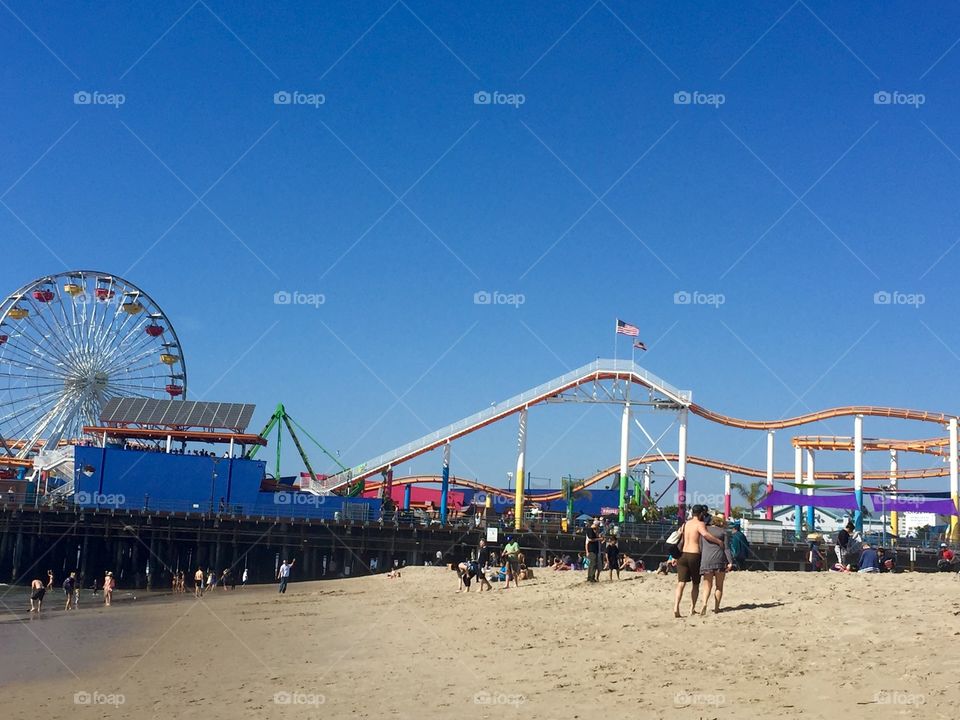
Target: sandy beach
[{"x": 787, "y": 645}]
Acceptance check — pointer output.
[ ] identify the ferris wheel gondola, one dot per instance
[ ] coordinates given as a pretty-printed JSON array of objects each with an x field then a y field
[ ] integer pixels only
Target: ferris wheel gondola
[{"x": 69, "y": 343}]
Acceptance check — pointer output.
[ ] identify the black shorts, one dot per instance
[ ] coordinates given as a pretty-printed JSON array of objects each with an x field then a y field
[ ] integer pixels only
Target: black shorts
[
  {"x": 38, "y": 594},
  {"x": 688, "y": 568}
]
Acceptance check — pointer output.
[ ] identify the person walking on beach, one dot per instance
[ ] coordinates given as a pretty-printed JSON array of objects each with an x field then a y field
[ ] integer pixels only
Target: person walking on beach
[
  {"x": 108, "y": 585},
  {"x": 715, "y": 562},
  {"x": 50, "y": 580},
  {"x": 69, "y": 590},
  {"x": 688, "y": 564},
  {"x": 511, "y": 556},
  {"x": 198, "y": 583},
  {"x": 283, "y": 575},
  {"x": 37, "y": 591},
  {"x": 592, "y": 549},
  {"x": 739, "y": 546},
  {"x": 243, "y": 582}
]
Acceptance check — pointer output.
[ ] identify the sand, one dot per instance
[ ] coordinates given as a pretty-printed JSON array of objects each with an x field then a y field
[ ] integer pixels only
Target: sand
[{"x": 787, "y": 645}]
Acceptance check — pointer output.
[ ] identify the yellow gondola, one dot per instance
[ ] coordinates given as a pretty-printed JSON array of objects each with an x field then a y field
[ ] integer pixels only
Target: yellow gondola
[
  {"x": 168, "y": 359},
  {"x": 72, "y": 289},
  {"x": 18, "y": 313},
  {"x": 132, "y": 308}
]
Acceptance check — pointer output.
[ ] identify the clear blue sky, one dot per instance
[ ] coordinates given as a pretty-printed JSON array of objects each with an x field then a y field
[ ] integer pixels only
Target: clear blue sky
[{"x": 398, "y": 198}]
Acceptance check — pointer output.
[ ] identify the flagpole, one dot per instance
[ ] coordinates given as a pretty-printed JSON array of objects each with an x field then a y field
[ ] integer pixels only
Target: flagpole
[{"x": 615, "y": 344}]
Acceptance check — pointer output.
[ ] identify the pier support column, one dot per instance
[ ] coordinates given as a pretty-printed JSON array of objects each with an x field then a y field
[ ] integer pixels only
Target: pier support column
[
  {"x": 797, "y": 480},
  {"x": 858, "y": 469},
  {"x": 682, "y": 468},
  {"x": 726, "y": 495},
  {"x": 954, "y": 487},
  {"x": 521, "y": 473},
  {"x": 624, "y": 456},
  {"x": 811, "y": 481},
  {"x": 445, "y": 484},
  {"x": 894, "y": 518},
  {"x": 770, "y": 470}
]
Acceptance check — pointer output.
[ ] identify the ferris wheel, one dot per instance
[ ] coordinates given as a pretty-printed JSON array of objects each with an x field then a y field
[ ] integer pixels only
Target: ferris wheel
[{"x": 71, "y": 342}]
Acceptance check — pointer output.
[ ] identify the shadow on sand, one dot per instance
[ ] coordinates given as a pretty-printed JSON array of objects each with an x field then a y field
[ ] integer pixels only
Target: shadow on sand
[{"x": 751, "y": 606}]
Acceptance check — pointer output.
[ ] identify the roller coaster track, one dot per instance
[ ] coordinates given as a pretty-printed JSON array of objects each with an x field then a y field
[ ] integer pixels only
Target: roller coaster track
[
  {"x": 743, "y": 470},
  {"x": 668, "y": 397},
  {"x": 927, "y": 446},
  {"x": 846, "y": 411}
]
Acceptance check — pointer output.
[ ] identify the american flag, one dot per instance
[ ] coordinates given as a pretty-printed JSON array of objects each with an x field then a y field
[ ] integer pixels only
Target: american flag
[
  {"x": 627, "y": 329},
  {"x": 638, "y": 344}
]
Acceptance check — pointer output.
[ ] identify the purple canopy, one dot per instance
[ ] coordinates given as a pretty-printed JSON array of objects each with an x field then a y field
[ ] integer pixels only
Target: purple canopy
[
  {"x": 823, "y": 500},
  {"x": 913, "y": 503}
]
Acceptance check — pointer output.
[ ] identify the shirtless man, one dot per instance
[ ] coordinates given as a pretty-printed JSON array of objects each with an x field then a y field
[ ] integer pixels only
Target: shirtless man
[{"x": 688, "y": 564}]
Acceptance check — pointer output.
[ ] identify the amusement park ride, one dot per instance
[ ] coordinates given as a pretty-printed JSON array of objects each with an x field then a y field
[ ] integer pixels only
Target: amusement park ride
[{"x": 72, "y": 342}]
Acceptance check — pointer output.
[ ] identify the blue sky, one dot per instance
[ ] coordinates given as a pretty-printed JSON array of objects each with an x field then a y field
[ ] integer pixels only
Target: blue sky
[{"x": 784, "y": 187}]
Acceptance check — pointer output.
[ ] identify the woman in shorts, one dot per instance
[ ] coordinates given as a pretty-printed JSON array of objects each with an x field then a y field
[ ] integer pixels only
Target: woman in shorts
[{"x": 715, "y": 562}]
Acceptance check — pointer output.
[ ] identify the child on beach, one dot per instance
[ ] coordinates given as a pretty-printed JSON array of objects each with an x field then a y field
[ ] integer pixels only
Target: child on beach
[{"x": 613, "y": 556}]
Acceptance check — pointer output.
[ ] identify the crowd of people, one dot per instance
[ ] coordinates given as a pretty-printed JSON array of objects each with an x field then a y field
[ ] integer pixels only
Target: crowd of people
[
  {"x": 71, "y": 590},
  {"x": 853, "y": 553}
]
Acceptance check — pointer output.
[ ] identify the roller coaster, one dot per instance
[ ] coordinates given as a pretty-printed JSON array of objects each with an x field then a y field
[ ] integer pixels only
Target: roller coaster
[{"x": 611, "y": 381}]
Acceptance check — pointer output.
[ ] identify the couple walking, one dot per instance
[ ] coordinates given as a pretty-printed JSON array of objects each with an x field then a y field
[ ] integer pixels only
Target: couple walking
[{"x": 704, "y": 552}]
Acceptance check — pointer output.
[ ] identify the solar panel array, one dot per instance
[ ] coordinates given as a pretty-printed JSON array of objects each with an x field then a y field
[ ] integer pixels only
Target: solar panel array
[{"x": 177, "y": 413}]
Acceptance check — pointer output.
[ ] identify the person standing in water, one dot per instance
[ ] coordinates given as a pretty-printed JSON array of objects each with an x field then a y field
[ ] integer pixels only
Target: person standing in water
[
  {"x": 688, "y": 564},
  {"x": 108, "y": 585},
  {"x": 37, "y": 591}
]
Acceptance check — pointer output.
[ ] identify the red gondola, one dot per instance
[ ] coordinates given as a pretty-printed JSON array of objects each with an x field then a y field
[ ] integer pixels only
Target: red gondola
[
  {"x": 103, "y": 293},
  {"x": 3, "y": 339},
  {"x": 154, "y": 330},
  {"x": 174, "y": 390},
  {"x": 7, "y": 474},
  {"x": 43, "y": 295}
]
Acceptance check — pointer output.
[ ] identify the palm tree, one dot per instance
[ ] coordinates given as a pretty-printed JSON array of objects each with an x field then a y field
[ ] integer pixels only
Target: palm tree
[{"x": 753, "y": 492}]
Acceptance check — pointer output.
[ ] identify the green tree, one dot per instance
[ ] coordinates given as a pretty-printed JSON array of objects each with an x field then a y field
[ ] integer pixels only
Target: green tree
[{"x": 752, "y": 493}]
